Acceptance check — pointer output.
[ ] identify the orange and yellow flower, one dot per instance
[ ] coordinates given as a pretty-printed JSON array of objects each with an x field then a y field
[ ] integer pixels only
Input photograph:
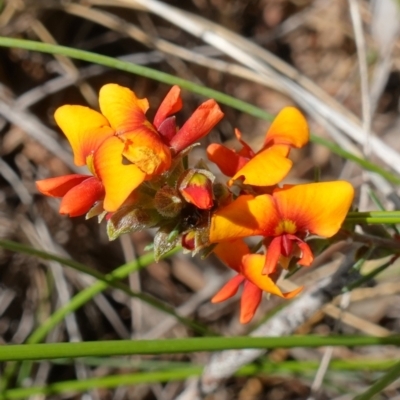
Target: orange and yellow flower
[
  {"x": 121, "y": 147},
  {"x": 269, "y": 165},
  {"x": 248, "y": 266},
  {"x": 285, "y": 218}
]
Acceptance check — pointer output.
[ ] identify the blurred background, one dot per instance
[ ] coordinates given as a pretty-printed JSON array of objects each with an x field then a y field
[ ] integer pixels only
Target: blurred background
[{"x": 308, "y": 54}]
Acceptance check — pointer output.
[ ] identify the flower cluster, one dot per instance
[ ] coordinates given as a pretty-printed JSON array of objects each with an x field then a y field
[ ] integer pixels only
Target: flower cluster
[{"x": 140, "y": 178}]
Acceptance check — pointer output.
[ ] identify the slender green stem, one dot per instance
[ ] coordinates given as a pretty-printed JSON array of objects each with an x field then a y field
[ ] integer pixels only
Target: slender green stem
[
  {"x": 374, "y": 217},
  {"x": 182, "y": 372},
  {"x": 368, "y": 277},
  {"x": 87, "y": 294},
  {"x": 374, "y": 214},
  {"x": 168, "y": 346},
  {"x": 360, "y": 161},
  {"x": 108, "y": 280},
  {"x": 381, "y": 384},
  {"x": 195, "y": 88}
]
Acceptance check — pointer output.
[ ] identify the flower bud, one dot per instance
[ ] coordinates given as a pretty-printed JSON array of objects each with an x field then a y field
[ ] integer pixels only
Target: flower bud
[{"x": 196, "y": 187}]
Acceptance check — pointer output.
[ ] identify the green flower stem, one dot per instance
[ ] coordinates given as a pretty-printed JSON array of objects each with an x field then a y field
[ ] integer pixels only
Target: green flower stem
[
  {"x": 374, "y": 214},
  {"x": 373, "y": 217},
  {"x": 184, "y": 372},
  {"x": 106, "y": 281},
  {"x": 368, "y": 277},
  {"x": 195, "y": 88},
  {"x": 381, "y": 383},
  {"x": 46, "y": 351},
  {"x": 87, "y": 294}
]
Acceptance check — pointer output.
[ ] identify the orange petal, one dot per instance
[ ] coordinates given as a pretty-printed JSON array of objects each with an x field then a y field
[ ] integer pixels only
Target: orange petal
[
  {"x": 253, "y": 265},
  {"x": 118, "y": 175},
  {"x": 124, "y": 111},
  {"x": 145, "y": 148},
  {"x": 266, "y": 168},
  {"x": 59, "y": 186},
  {"x": 84, "y": 128},
  {"x": 318, "y": 208},
  {"x": 227, "y": 160},
  {"x": 205, "y": 117},
  {"x": 228, "y": 290},
  {"x": 251, "y": 299},
  {"x": 289, "y": 127},
  {"x": 81, "y": 198},
  {"x": 231, "y": 253},
  {"x": 171, "y": 104},
  {"x": 246, "y": 216}
]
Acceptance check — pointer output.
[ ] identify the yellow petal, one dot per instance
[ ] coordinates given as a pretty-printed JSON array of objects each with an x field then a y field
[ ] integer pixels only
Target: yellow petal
[
  {"x": 253, "y": 265},
  {"x": 266, "y": 168},
  {"x": 318, "y": 208},
  {"x": 124, "y": 111},
  {"x": 289, "y": 127},
  {"x": 84, "y": 128},
  {"x": 246, "y": 216},
  {"x": 118, "y": 175}
]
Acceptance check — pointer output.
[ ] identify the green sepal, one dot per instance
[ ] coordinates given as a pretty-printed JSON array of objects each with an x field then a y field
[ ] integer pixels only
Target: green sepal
[
  {"x": 131, "y": 219},
  {"x": 164, "y": 242}
]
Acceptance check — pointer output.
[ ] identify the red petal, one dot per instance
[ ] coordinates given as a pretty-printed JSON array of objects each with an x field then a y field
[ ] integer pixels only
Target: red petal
[
  {"x": 81, "y": 198},
  {"x": 171, "y": 104},
  {"x": 273, "y": 254},
  {"x": 167, "y": 129},
  {"x": 197, "y": 126},
  {"x": 307, "y": 257},
  {"x": 59, "y": 186},
  {"x": 228, "y": 290},
  {"x": 246, "y": 151},
  {"x": 227, "y": 160},
  {"x": 251, "y": 298}
]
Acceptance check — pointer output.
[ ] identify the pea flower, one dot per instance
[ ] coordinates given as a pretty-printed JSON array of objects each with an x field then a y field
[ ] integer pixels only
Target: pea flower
[
  {"x": 248, "y": 266},
  {"x": 285, "y": 218},
  {"x": 289, "y": 129},
  {"x": 121, "y": 147}
]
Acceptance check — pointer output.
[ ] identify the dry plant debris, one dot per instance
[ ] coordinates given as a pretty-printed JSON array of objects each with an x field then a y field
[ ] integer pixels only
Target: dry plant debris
[{"x": 311, "y": 45}]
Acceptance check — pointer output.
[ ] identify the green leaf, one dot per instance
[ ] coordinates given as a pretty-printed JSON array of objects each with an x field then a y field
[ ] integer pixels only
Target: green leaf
[{"x": 46, "y": 351}]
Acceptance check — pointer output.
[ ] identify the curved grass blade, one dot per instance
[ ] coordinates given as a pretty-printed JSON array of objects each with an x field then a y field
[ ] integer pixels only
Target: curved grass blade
[
  {"x": 381, "y": 383},
  {"x": 195, "y": 88},
  {"x": 181, "y": 372},
  {"x": 46, "y": 351}
]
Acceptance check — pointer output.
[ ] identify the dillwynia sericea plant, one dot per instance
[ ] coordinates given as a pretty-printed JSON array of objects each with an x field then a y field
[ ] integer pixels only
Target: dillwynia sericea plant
[{"x": 139, "y": 177}]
